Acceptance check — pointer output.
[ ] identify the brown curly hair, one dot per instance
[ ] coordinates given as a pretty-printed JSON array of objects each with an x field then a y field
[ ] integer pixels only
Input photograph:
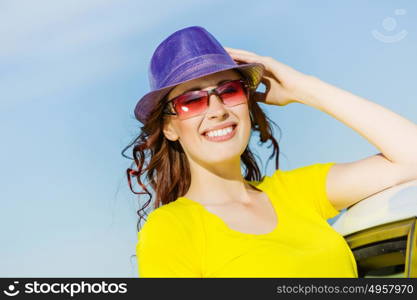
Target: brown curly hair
[{"x": 164, "y": 163}]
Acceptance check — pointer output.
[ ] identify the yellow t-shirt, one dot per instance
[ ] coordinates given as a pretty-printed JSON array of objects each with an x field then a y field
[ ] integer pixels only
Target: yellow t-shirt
[{"x": 184, "y": 239}]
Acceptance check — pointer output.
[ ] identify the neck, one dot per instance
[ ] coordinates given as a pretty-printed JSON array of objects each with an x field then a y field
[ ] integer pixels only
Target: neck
[{"x": 220, "y": 183}]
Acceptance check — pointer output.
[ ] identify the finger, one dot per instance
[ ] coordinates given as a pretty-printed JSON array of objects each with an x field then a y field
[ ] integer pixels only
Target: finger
[
  {"x": 246, "y": 56},
  {"x": 243, "y": 57},
  {"x": 237, "y": 57},
  {"x": 230, "y": 49},
  {"x": 240, "y": 51},
  {"x": 234, "y": 53}
]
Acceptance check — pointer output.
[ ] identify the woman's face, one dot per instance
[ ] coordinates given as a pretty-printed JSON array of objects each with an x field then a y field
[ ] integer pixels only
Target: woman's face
[{"x": 192, "y": 132}]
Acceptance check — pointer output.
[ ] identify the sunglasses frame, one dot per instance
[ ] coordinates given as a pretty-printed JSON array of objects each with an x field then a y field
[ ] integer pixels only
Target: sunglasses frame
[{"x": 244, "y": 84}]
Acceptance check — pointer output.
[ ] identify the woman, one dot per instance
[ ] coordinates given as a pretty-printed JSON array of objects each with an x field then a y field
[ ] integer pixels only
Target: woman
[{"x": 209, "y": 220}]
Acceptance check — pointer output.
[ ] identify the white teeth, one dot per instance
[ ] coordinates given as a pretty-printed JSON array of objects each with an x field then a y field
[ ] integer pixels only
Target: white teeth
[{"x": 220, "y": 132}]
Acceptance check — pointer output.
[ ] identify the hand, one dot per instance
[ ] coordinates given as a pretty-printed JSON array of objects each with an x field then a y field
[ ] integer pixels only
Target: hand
[{"x": 283, "y": 84}]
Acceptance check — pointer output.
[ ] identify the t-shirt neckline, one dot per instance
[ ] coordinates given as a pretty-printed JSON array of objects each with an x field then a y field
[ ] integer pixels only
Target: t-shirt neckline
[{"x": 234, "y": 231}]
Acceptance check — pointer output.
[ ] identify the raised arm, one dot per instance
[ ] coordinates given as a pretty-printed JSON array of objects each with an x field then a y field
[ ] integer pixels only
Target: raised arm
[{"x": 393, "y": 135}]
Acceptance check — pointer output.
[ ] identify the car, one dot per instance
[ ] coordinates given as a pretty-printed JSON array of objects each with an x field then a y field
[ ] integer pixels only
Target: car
[{"x": 381, "y": 231}]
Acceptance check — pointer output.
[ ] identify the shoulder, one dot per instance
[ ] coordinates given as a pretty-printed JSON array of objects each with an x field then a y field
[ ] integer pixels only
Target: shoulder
[
  {"x": 175, "y": 220},
  {"x": 159, "y": 218},
  {"x": 169, "y": 244},
  {"x": 310, "y": 174},
  {"x": 304, "y": 173},
  {"x": 309, "y": 184}
]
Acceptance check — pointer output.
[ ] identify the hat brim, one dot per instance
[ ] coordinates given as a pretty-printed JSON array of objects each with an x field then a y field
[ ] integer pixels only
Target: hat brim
[{"x": 253, "y": 72}]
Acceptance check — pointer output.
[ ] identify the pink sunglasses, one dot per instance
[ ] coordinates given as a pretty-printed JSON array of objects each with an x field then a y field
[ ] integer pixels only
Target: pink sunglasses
[{"x": 193, "y": 103}]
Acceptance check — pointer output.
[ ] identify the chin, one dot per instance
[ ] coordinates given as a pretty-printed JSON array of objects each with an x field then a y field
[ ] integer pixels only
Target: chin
[{"x": 223, "y": 155}]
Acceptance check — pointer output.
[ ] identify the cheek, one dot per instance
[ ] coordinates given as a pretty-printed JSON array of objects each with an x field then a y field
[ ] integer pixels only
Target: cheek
[
  {"x": 188, "y": 133},
  {"x": 242, "y": 112},
  {"x": 245, "y": 127}
]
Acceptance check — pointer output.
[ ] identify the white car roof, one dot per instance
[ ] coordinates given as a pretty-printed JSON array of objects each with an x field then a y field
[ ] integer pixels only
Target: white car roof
[{"x": 393, "y": 204}]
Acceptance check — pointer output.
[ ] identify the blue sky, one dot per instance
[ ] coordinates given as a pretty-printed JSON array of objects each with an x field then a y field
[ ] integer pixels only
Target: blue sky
[{"x": 72, "y": 71}]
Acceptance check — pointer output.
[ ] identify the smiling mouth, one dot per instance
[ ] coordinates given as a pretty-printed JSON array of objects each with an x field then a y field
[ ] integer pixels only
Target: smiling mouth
[{"x": 221, "y": 135}]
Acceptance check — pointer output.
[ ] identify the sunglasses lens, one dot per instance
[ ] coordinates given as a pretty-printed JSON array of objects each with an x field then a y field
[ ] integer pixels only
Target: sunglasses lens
[
  {"x": 194, "y": 103},
  {"x": 232, "y": 93},
  {"x": 191, "y": 104}
]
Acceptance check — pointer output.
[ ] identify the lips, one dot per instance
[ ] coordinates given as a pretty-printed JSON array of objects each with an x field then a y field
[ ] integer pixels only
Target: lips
[
  {"x": 221, "y": 126},
  {"x": 222, "y": 138}
]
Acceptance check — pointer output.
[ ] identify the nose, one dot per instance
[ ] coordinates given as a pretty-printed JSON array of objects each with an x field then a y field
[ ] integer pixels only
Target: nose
[{"x": 216, "y": 108}]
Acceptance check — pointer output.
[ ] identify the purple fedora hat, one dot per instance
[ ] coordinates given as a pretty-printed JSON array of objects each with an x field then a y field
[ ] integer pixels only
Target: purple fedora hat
[{"x": 187, "y": 54}]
